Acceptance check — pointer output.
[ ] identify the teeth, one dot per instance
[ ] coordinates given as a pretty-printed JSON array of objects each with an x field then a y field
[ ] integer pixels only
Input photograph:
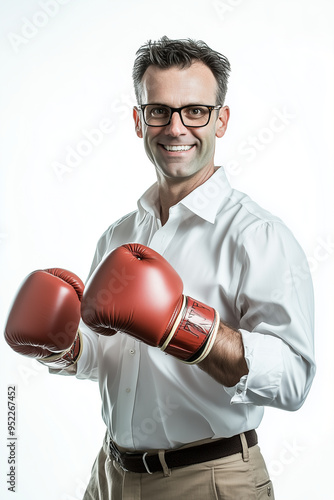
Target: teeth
[{"x": 177, "y": 148}]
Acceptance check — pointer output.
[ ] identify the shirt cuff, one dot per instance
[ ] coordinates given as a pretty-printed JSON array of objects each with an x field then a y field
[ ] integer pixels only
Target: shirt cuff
[
  {"x": 69, "y": 371},
  {"x": 87, "y": 365},
  {"x": 263, "y": 355}
]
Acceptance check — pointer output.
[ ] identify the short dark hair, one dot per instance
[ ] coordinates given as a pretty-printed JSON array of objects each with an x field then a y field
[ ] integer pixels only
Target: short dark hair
[{"x": 166, "y": 53}]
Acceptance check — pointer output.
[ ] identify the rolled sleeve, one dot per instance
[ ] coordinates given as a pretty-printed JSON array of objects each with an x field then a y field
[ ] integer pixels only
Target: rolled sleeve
[
  {"x": 275, "y": 303},
  {"x": 265, "y": 364}
]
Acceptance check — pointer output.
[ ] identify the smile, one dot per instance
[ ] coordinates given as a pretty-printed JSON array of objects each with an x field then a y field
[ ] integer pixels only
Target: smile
[{"x": 176, "y": 148}]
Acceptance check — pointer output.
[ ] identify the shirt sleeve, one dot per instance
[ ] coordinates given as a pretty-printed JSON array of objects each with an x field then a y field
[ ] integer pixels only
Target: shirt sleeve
[
  {"x": 87, "y": 365},
  {"x": 274, "y": 301}
]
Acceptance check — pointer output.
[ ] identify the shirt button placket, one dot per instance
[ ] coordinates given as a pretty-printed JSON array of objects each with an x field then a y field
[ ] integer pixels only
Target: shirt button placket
[
  {"x": 127, "y": 387},
  {"x": 163, "y": 236}
]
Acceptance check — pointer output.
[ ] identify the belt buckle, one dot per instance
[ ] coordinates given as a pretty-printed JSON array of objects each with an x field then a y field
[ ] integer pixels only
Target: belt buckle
[{"x": 145, "y": 463}]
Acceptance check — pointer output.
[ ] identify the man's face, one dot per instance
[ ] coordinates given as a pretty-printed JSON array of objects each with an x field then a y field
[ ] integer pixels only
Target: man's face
[{"x": 176, "y": 87}]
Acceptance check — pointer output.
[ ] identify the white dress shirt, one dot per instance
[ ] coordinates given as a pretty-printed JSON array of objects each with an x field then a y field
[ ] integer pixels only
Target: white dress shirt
[{"x": 238, "y": 258}]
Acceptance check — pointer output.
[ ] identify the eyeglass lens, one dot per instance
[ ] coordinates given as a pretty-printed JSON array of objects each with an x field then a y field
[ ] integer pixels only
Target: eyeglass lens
[{"x": 197, "y": 116}]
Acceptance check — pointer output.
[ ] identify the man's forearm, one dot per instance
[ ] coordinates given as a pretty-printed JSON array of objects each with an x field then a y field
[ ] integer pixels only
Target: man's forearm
[{"x": 226, "y": 362}]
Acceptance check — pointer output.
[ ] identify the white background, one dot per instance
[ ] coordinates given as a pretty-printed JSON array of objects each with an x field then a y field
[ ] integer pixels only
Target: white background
[{"x": 66, "y": 67}]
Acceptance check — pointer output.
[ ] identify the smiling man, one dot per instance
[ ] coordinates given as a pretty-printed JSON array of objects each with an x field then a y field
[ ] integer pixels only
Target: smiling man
[
  {"x": 182, "y": 150},
  {"x": 182, "y": 425},
  {"x": 192, "y": 322}
]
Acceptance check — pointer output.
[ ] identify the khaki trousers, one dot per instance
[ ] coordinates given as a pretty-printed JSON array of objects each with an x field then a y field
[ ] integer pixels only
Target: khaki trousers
[{"x": 242, "y": 476}]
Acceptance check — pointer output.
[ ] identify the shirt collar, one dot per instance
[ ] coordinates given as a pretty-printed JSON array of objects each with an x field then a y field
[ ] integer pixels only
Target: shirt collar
[
  {"x": 149, "y": 202},
  {"x": 204, "y": 201}
]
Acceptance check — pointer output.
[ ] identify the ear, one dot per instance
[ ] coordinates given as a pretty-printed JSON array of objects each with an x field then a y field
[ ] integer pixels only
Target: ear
[
  {"x": 137, "y": 120},
  {"x": 222, "y": 121}
]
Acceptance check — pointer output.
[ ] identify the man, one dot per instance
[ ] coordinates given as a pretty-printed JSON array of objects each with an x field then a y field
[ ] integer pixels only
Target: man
[{"x": 180, "y": 424}]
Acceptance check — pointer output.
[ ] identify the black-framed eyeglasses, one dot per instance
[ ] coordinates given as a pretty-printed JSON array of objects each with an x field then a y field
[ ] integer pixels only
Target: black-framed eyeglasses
[{"x": 160, "y": 115}]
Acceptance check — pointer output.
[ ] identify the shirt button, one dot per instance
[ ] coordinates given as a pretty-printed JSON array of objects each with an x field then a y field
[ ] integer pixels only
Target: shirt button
[
  {"x": 128, "y": 390},
  {"x": 132, "y": 352}
]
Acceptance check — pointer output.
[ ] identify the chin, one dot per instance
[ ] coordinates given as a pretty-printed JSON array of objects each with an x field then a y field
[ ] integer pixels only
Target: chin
[{"x": 177, "y": 171}]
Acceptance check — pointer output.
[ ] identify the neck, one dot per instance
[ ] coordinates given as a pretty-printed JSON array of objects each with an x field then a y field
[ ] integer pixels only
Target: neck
[{"x": 171, "y": 191}]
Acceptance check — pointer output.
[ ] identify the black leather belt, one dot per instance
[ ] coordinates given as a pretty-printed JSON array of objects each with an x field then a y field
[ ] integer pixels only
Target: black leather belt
[{"x": 141, "y": 463}]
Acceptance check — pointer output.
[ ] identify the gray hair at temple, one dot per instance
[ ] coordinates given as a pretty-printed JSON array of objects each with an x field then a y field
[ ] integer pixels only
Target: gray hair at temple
[{"x": 165, "y": 53}]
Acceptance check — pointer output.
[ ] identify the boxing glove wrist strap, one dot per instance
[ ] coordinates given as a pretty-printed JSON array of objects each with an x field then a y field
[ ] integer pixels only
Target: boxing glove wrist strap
[
  {"x": 66, "y": 358},
  {"x": 194, "y": 332},
  {"x": 208, "y": 345},
  {"x": 176, "y": 324}
]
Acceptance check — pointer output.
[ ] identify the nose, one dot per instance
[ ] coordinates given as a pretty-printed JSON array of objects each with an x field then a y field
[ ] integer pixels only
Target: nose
[{"x": 176, "y": 127}]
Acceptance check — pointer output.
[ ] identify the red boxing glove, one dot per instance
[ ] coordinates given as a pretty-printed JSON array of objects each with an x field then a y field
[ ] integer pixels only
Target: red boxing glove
[
  {"x": 44, "y": 318},
  {"x": 135, "y": 290}
]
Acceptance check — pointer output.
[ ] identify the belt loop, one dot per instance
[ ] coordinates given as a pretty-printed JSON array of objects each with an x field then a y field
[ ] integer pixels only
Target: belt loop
[
  {"x": 245, "y": 450},
  {"x": 167, "y": 471}
]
